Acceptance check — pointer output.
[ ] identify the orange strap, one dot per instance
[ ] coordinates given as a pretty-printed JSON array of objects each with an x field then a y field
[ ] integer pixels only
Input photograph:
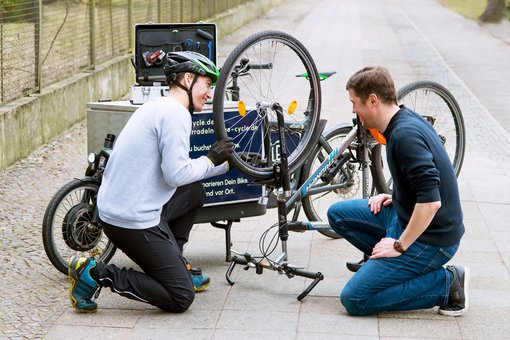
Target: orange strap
[{"x": 377, "y": 136}]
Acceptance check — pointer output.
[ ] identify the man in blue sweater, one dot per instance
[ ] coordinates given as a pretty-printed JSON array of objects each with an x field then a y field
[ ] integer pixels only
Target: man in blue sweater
[
  {"x": 409, "y": 235},
  {"x": 150, "y": 196}
]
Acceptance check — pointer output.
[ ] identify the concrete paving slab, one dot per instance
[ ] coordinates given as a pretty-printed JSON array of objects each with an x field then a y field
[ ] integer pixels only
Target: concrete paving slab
[
  {"x": 506, "y": 258},
  {"x": 340, "y": 324},
  {"x": 229, "y": 334},
  {"x": 491, "y": 190},
  {"x": 267, "y": 320},
  {"x": 80, "y": 332},
  {"x": 194, "y": 318},
  {"x": 105, "y": 317},
  {"x": 329, "y": 336},
  {"x": 490, "y": 298},
  {"x": 314, "y": 304},
  {"x": 261, "y": 300},
  {"x": 485, "y": 323},
  {"x": 502, "y": 239},
  {"x": 416, "y": 328}
]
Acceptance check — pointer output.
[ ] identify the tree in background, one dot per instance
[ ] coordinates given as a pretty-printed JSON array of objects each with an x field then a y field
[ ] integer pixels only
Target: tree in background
[{"x": 494, "y": 12}]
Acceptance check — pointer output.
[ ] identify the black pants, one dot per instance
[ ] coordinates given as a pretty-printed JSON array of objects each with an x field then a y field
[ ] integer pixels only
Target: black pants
[{"x": 165, "y": 282}]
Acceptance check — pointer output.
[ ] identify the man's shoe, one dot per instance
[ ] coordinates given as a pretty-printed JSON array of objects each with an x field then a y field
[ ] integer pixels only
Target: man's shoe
[
  {"x": 83, "y": 286},
  {"x": 355, "y": 266},
  {"x": 458, "y": 299},
  {"x": 200, "y": 281}
]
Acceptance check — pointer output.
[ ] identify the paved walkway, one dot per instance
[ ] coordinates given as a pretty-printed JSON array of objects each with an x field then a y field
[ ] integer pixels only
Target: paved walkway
[{"x": 416, "y": 39}]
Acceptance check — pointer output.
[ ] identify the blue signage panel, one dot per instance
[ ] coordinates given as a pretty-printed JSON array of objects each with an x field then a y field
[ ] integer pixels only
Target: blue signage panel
[{"x": 232, "y": 186}]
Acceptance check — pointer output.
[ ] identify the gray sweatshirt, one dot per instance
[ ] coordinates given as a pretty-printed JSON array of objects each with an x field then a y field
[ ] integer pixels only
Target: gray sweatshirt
[{"x": 149, "y": 161}]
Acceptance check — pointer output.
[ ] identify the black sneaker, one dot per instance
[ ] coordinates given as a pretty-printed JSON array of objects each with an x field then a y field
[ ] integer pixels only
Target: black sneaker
[
  {"x": 458, "y": 299},
  {"x": 355, "y": 266}
]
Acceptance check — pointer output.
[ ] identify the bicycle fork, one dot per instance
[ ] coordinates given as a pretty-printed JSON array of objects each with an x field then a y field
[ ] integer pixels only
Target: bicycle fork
[{"x": 282, "y": 179}]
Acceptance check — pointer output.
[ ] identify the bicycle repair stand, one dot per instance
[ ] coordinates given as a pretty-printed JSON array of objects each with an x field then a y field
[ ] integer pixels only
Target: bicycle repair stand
[{"x": 282, "y": 184}]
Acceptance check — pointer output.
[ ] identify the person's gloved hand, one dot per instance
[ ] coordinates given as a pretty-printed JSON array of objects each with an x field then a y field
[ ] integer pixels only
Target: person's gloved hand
[{"x": 221, "y": 151}]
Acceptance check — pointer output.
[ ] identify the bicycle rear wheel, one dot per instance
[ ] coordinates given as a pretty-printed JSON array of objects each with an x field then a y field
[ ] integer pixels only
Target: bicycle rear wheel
[
  {"x": 264, "y": 69},
  {"x": 347, "y": 183},
  {"x": 436, "y": 104}
]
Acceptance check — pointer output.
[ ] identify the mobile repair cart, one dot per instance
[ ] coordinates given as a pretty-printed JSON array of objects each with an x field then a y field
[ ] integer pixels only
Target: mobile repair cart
[{"x": 229, "y": 197}]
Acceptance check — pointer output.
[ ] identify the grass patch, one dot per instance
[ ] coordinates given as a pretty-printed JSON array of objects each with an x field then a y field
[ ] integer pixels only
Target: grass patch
[{"x": 471, "y": 9}]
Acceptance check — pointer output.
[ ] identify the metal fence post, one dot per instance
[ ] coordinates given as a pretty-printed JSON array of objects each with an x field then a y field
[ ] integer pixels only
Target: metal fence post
[
  {"x": 130, "y": 24},
  {"x": 92, "y": 25},
  {"x": 37, "y": 47},
  {"x": 182, "y": 11},
  {"x": 2, "y": 60},
  {"x": 159, "y": 11}
]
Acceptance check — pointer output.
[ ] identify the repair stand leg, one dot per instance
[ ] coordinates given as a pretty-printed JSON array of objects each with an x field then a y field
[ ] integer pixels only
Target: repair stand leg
[{"x": 228, "y": 241}]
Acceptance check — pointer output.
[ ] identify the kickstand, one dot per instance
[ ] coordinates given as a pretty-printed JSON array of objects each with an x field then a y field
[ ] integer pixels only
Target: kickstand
[
  {"x": 228, "y": 242},
  {"x": 310, "y": 287}
]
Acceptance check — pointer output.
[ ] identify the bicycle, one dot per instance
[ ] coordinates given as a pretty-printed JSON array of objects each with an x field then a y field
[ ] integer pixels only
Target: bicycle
[{"x": 260, "y": 75}]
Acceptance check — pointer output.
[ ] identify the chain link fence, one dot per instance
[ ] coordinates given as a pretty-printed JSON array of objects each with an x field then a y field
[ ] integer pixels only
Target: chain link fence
[{"x": 45, "y": 41}]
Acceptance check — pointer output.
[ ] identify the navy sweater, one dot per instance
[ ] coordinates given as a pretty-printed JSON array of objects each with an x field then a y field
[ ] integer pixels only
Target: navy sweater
[{"x": 422, "y": 172}]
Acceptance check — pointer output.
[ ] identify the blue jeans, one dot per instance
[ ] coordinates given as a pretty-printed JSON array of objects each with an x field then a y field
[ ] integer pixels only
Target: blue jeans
[{"x": 413, "y": 280}]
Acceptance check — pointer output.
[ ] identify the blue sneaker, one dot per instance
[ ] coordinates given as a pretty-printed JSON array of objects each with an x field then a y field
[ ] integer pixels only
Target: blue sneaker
[
  {"x": 83, "y": 286},
  {"x": 200, "y": 281}
]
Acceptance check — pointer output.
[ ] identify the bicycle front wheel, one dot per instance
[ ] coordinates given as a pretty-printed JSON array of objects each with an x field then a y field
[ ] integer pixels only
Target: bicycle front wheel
[
  {"x": 438, "y": 106},
  {"x": 267, "y": 68},
  {"x": 68, "y": 228}
]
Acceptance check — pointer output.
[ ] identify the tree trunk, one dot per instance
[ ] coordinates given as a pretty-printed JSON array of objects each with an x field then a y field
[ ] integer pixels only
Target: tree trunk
[{"x": 493, "y": 12}]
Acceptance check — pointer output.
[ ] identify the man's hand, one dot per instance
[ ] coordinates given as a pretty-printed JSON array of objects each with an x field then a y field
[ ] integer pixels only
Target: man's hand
[
  {"x": 221, "y": 151},
  {"x": 385, "y": 249},
  {"x": 377, "y": 202}
]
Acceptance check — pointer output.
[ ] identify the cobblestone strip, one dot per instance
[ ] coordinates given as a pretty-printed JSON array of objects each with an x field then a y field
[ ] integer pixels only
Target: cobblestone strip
[{"x": 33, "y": 292}]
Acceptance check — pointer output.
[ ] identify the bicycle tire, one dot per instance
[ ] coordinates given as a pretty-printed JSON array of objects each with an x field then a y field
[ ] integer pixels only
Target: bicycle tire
[
  {"x": 66, "y": 230},
  {"x": 440, "y": 107},
  {"x": 315, "y": 206},
  {"x": 266, "y": 68}
]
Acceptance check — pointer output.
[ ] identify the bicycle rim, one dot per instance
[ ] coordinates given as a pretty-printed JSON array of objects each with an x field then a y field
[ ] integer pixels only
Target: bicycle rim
[
  {"x": 436, "y": 104},
  {"x": 265, "y": 69}
]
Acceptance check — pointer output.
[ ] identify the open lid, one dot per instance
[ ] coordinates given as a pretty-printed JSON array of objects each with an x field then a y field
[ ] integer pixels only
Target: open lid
[{"x": 153, "y": 41}]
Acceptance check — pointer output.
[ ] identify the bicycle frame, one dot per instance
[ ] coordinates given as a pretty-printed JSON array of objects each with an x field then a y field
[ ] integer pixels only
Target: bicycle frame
[
  {"x": 287, "y": 201},
  {"x": 310, "y": 187}
]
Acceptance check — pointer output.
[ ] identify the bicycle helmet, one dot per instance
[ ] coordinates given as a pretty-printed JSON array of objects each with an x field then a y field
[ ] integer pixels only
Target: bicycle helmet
[{"x": 187, "y": 61}]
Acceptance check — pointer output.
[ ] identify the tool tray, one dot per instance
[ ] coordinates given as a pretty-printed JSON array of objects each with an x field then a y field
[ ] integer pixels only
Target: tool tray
[{"x": 152, "y": 38}]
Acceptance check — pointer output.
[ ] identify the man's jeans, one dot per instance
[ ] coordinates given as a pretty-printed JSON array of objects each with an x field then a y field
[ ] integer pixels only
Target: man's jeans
[{"x": 413, "y": 280}]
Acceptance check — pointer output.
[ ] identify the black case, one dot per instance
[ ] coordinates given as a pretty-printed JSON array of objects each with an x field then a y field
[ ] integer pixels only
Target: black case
[{"x": 150, "y": 38}]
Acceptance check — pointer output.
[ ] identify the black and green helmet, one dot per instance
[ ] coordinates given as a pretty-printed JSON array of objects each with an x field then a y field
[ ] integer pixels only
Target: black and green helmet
[{"x": 187, "y": 61}]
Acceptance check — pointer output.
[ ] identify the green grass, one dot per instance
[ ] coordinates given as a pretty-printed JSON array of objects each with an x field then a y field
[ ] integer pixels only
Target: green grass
[{"x": 471, "y": 9}]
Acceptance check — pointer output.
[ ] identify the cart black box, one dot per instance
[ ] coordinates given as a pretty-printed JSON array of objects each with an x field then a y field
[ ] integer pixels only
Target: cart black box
[{"x": 152, "y": 38}]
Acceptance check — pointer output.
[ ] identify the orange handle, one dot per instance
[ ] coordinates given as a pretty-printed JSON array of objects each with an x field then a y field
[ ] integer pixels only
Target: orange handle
[{"x": 377, "y": 136}]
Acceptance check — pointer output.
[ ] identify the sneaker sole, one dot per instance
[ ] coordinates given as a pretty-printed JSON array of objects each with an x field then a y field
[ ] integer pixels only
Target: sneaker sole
[
  {"x": 201, "y": 288},
  {"x": 467, "y": 279}
]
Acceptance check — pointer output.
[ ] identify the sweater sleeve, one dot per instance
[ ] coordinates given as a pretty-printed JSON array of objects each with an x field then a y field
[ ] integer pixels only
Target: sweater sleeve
[
  {"x": 174, "y": 130},
  {"x": 417, "y": 165}
]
